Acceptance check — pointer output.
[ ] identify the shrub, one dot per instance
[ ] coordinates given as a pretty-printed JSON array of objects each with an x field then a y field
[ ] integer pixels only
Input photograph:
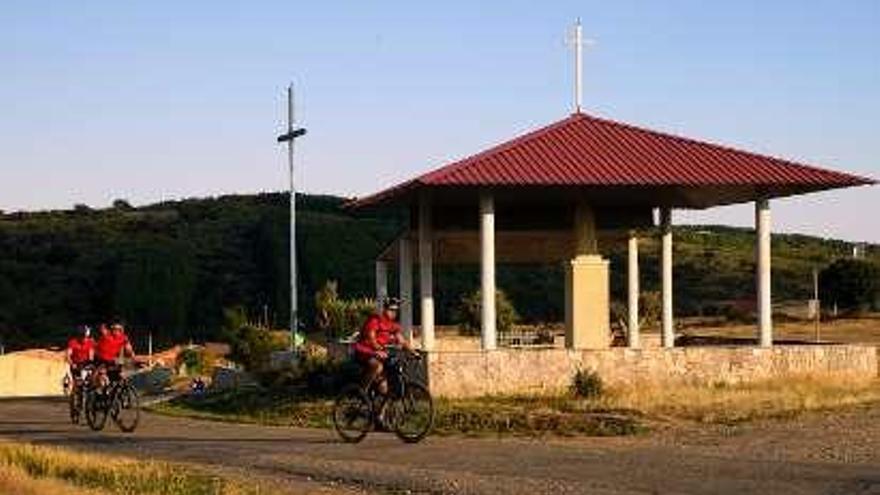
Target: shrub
[
  {"x": 851, "y": 284},
  {"x": 587, "y": 384},
  {"x": 338, "y": 317},
  {"x": 316, "y": 375},
  {"x": 469, "y": 313},
  {"x": 252, "y": 347},
  {"x": 194, "y": 359},
  {"x": 650, "y": 307}
]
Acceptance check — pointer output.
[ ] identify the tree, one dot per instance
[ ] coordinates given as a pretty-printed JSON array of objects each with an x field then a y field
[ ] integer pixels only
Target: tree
[
  {"x": 252, "y": 347},
  {"x": 122, "y": 205},
  {"x": 851, "y": 284},
  {"x": 470, "y": 313}
]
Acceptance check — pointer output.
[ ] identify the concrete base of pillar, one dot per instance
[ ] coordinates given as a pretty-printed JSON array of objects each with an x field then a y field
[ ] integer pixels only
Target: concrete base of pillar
[{"x": 587, "y": 303}]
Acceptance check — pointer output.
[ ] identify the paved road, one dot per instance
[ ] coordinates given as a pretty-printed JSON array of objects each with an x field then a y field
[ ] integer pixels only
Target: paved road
[{"x": 821, "y": 454}]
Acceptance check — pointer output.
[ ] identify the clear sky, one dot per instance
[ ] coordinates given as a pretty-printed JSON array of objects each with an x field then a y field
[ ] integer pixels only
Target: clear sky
[{"x": 162, "y": 100}]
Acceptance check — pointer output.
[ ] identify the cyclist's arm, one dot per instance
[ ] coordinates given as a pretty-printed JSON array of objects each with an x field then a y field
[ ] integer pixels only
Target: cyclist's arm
[
  {"x": 127, "y": 349},
  {"x": 370, "y": 334},
  {"x": 401, "y": 340}
]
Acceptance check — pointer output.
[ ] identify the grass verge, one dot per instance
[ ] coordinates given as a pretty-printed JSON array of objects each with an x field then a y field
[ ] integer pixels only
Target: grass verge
[
  {"x": 28, "y": 469},
  {"x": 725, "y": 404},
  {"x": 617, "y": 411},
  {"x": 495, "y": 415}
]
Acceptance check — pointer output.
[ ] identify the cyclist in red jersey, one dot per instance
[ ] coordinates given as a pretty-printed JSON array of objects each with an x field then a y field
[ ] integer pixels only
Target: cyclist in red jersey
[
  {"x": 111, "y": 343},
  {"x": 379, "y": 331},
  {"x": 80, "y": 352},
  {"x": 80, "y": 349}
]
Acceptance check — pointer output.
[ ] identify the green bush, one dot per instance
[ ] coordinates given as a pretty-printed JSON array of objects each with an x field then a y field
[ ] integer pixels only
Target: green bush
[
  {"x": 587, "y": 384},
  {"x": 252, "y": 347},
  {"x": 338, "y": 317},
  {"x": 650, "y": 308},
  {"x": 469, "y": 312},
  {"x": 315, "y": 376},
  {"x": 851, "y": 284},
  {"x": 194, "y": 359}
]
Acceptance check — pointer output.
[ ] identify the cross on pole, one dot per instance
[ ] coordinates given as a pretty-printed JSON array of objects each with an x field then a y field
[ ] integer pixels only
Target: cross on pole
[
  {"x": 576, "y": 39},
  {"x": 289, "y": 137}
]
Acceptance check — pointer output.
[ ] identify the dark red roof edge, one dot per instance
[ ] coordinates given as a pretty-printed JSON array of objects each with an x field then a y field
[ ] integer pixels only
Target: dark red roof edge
[
  {"x": 859, "y": 179},
  {"x": 436, "y": 175}
]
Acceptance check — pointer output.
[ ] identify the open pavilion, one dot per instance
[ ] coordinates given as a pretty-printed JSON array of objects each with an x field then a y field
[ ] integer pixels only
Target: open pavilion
[{"x": 557, "y": 194}]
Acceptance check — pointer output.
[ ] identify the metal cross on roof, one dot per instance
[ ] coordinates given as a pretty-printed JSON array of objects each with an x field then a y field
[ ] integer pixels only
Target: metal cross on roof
[{"x": 575, "y": 38}]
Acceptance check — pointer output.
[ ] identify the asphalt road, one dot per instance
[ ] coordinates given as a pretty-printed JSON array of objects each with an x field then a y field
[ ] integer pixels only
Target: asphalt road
[{"x": 831, "y": 453}]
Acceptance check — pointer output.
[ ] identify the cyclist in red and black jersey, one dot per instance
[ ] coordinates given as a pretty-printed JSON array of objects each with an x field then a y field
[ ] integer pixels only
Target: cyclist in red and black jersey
[
  {"x": 80, "y": 353},
  {"x": 111, "y": 343},
  {"x": 379, "y": 331}
]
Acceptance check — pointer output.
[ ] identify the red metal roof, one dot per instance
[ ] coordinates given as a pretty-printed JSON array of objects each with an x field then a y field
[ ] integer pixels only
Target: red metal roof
[{"x": 583, "y": 150}]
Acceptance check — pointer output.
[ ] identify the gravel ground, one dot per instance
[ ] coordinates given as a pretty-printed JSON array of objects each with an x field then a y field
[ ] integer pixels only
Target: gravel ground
[{"x": 819, "y": 453}]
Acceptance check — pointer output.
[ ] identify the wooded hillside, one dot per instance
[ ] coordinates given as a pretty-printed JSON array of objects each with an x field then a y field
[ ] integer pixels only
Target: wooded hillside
[{"x": 173, "y": 267}]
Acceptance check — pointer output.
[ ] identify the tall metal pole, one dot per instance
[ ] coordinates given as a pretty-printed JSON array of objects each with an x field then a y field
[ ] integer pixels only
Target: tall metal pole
[
  {"x": 293, "y": 285},
  {"x": 289, "y": 137}
]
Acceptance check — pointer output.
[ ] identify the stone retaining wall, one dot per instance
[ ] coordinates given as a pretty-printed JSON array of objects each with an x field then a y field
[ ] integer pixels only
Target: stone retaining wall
[
  {"x": 23, "y": 375},
  {"x": 549, "y": 371}
]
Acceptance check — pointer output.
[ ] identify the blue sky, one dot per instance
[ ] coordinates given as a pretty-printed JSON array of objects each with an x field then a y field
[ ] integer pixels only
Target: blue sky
[{"x": 162, "y": 100}]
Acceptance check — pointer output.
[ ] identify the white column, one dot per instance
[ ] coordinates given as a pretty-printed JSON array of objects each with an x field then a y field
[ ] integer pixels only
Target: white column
[
  {"x": 633, "y": 291},
  {"x": 668, "y": 335},
  {"x": 381, "y": 283},
  {"x": 762, "y": 245},
  {"x": 426, "y": 273},
  {"x": 406, "y": 286},
  {"x": 487, "y": 270}
]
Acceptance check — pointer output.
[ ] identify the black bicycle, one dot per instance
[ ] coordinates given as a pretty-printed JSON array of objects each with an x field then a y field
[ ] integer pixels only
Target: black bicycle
[
  {"x": 79, "y": 385},
  {"x": 119, "y": 400},
  {"x": 407, "y": 410}
]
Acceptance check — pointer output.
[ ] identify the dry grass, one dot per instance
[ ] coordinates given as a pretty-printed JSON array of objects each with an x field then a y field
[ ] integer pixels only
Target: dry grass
[
  {"x": 844, "y": 330},
  {"x": 735, "y": 403},
  {"x": 629, "y": 410},
  {"x": 618, "y": 411},
  {"x": 16, "y": 480},
  {"x": 34, "y": 469}
]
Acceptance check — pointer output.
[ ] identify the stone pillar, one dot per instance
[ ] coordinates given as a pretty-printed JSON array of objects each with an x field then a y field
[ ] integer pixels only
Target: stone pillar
[
  {"x": 426, "y": 272},
  {"x": 405, "y": 283},
  {"x": 487, "y": 270},
  {"x": 762, "y": 254},
  {"x": 668, "y": 329},
  {"x": 633, "y": 291},
  {"x": 381, "y": 283},
  {"x": 586, "y": 288}
]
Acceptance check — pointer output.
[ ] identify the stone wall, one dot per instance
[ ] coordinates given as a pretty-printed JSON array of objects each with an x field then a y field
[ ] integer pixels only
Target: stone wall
[
  {"x": 29, "y": 375},
  {"x": 549, "y": 371}
]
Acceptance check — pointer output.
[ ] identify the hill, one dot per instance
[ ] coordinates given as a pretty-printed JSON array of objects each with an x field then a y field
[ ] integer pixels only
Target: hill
[{"x": 173, "y": 267}]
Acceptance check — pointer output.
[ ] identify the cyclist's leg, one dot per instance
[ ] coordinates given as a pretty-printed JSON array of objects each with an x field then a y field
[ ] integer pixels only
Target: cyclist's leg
[
  {"x": 372, "y": 373},
  {"x": 114, "y": 373},
  {"x": 379, "y": 376},
  {"x": 75, "y": 372},
  {"x": 70, "y": 379}
]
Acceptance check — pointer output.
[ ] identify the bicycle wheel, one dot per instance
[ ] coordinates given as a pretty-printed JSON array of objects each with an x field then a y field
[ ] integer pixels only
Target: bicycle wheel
[
  {"x": 96, "y": 409},
  {"x": 125, "y": 409},
  {"x": 352, "y": 414},
  {"x": 413, "y": 414}
]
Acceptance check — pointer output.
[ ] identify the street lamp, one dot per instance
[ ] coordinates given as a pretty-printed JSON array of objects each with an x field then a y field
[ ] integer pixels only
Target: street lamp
[{"x": 289, "y": 137}]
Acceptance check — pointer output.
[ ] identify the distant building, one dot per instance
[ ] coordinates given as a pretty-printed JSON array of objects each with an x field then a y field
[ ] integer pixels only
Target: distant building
[{"x": 859, "y": 250}]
